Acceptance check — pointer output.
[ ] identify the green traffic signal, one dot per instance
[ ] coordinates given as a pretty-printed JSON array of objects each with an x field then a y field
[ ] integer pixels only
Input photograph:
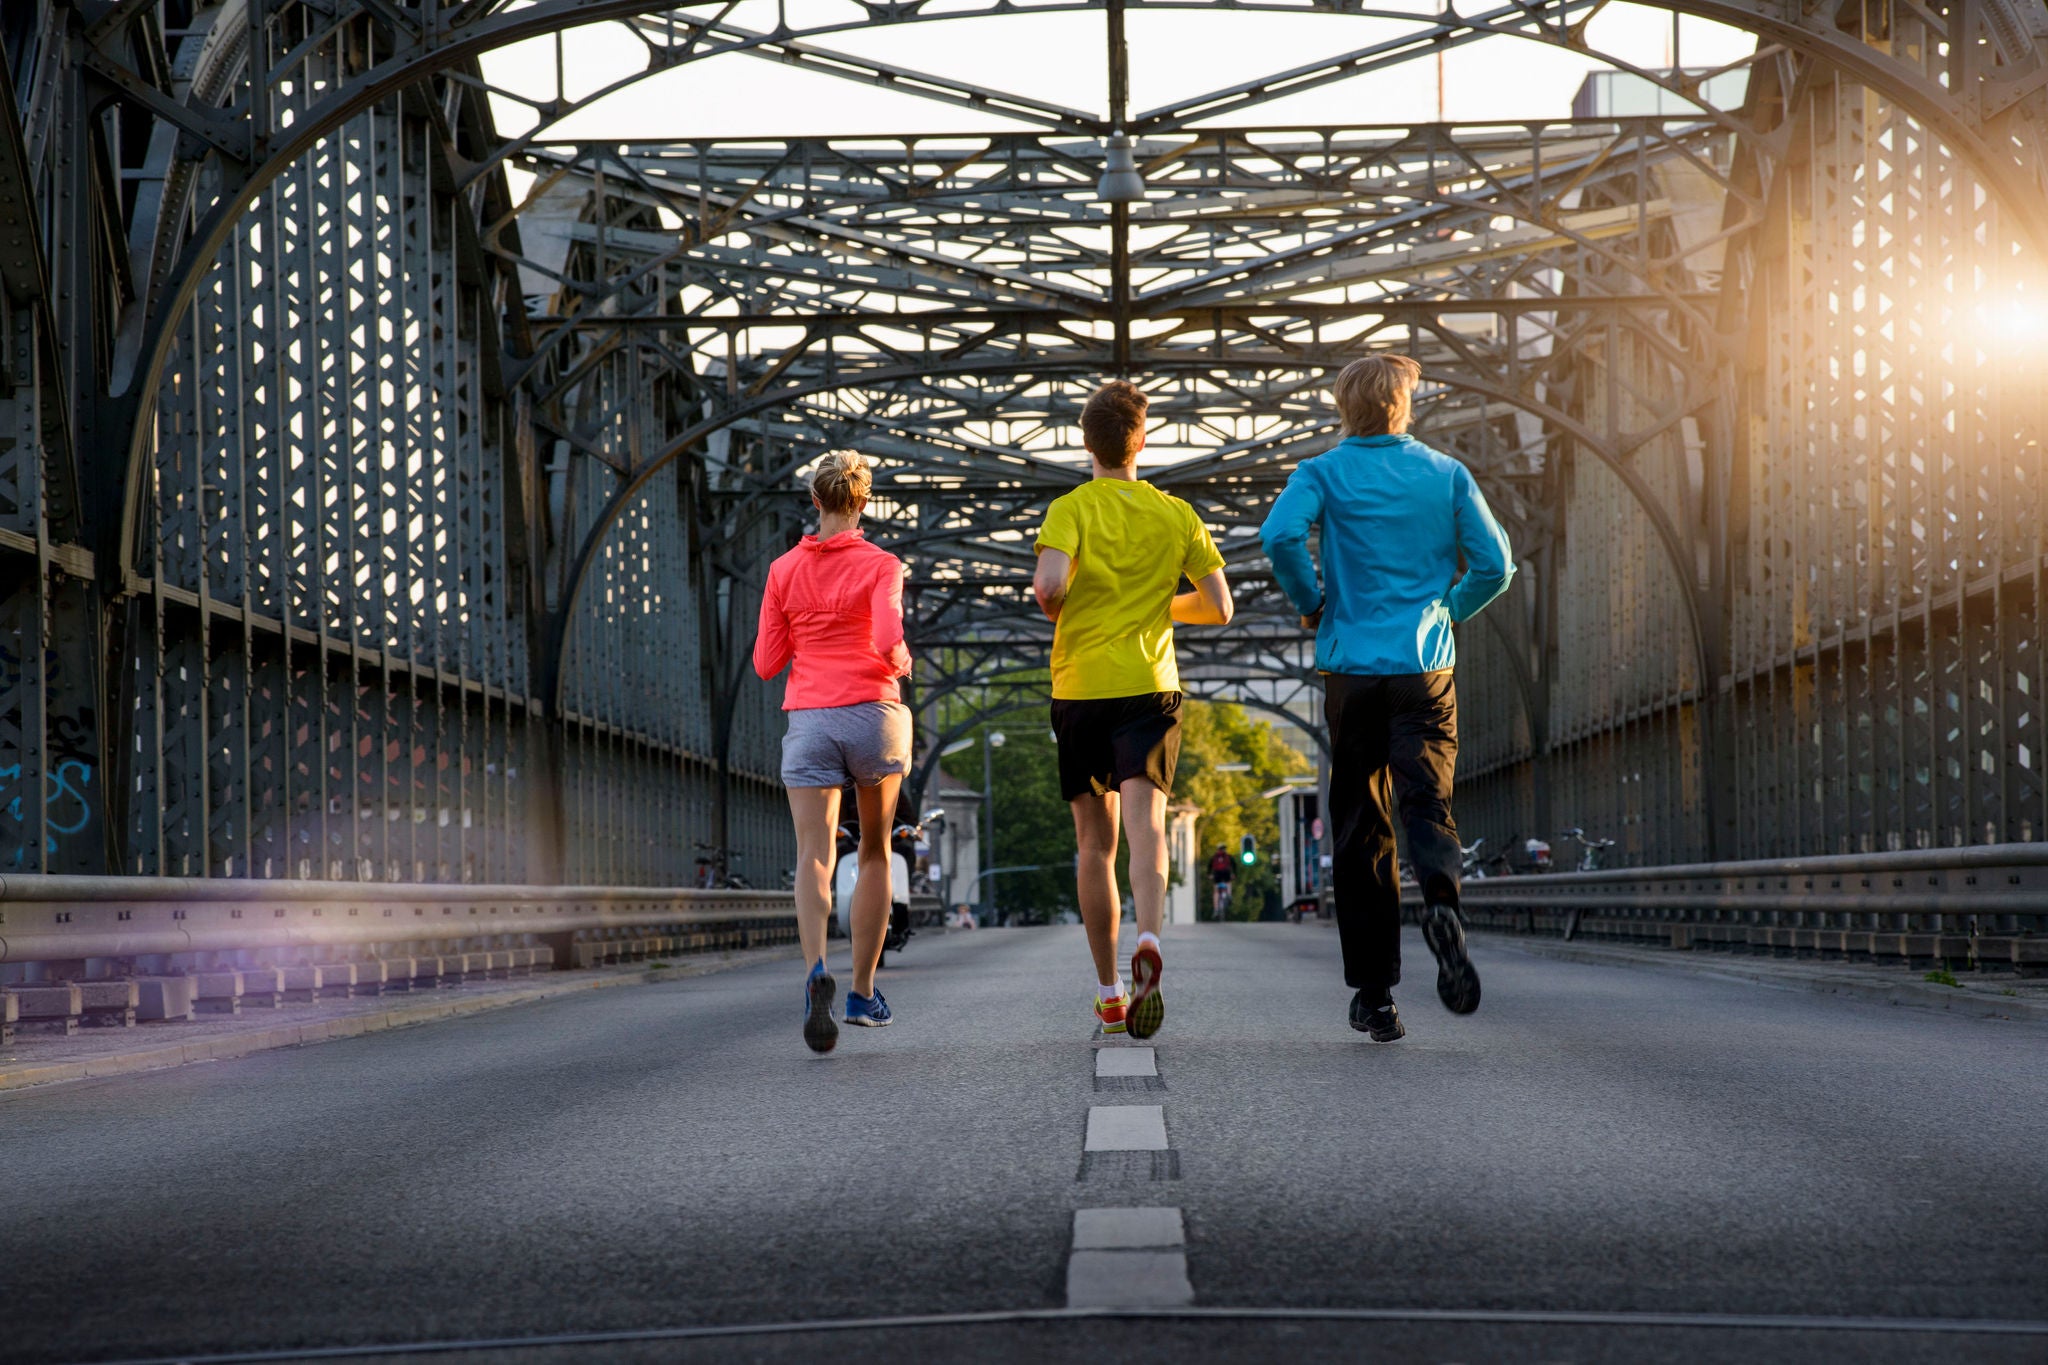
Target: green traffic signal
[{"x": 1248, "y": 851}]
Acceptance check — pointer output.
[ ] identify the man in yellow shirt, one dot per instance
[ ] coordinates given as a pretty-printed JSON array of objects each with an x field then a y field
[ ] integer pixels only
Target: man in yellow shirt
[{"x": 1110, "y": 556}]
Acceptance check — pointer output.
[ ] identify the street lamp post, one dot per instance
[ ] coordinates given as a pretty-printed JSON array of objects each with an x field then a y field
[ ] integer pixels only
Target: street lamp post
[{"x": 991, "y": 740}]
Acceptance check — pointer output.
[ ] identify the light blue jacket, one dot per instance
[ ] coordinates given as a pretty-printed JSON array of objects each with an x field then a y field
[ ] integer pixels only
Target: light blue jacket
[{"x": 1394, "y": 515}]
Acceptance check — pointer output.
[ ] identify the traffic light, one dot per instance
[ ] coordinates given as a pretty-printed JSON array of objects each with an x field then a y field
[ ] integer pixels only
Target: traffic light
[{"x": 1247, "y": 851}]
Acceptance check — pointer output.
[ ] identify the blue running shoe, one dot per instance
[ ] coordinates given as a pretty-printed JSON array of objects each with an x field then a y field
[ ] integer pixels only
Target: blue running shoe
[
  {"x": 868, "y": 1011},
  {"x": 819, "y": 1030}
]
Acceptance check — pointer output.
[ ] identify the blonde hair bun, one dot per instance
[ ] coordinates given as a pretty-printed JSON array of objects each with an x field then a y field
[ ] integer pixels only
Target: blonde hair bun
[{"x": 842, "y": 482}]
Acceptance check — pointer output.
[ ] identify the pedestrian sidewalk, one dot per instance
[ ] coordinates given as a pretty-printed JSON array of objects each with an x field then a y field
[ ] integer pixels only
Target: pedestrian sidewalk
[
  {"x": 1997, "y": 995},
  {"x": 33, "y": 1059}
]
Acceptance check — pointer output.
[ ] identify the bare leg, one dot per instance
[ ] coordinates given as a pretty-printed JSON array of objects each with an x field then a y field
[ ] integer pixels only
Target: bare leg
[
  {"x": 1144, "y": 812},
  {"x": 1095, "y": 878},
  {"x": 816, "y": 813},
  {"x": 871, "y": 890}
]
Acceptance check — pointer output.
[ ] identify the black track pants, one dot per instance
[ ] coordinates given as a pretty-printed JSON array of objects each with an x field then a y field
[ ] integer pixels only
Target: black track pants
[{"x": 1393, "y": 735}]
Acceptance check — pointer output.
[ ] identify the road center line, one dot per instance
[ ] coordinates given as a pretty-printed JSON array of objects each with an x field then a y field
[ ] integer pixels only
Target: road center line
[
  {"x": 1126, "y": 1061},
  {"x": 1126, "y": 1128},
  {"x": 1128, "y": 1229},
  {"x": 1129, "y": 1258}
]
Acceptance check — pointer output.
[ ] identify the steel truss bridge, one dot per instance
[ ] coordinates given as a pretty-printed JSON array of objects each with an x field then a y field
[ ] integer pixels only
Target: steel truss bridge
[{"x": 384, "y": 495}]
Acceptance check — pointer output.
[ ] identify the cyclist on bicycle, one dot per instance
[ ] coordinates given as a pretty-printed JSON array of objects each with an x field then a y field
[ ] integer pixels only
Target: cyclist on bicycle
[{"x": 1221, "y": 870}]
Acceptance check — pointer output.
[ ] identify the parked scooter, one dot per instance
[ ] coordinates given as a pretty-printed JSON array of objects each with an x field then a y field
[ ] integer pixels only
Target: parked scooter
[
  {"x": 1591, "y": 851},
  {"x": 903, "y": 842},
  {"x": 1471, "y": 866}
]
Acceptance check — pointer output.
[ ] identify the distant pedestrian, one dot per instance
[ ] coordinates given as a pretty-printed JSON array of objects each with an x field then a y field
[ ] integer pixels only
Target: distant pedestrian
[
  {"x": 833, "y": 615},
  {"x": 1110, "y": 556},
  {"x": 1396, "y": 519}
]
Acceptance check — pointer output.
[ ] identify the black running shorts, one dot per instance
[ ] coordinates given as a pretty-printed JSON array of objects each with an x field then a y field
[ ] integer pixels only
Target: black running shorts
[{"x": 1106, "y": 741}]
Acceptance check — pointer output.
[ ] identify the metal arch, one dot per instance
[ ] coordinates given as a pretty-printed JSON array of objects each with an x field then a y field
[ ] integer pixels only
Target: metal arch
[
  {"x": 1508, "y": 204},
  {"x": 1046, "y": 362},
  {"x": 1656, "y": 389},
  {"x": 630, "y": 488},
  {"x": 1812, "y": 32},
  {"x": 1314, "y": 729},
  {"x": 980, "y": 716},
  {"x": 546, "y": 18}
]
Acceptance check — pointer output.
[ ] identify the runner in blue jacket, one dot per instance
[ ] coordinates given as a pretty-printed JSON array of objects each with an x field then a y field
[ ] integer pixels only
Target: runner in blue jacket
[{"x": 1398, "y": 523}]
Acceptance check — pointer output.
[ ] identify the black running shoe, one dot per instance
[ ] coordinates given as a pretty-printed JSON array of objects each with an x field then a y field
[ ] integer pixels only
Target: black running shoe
[
  {"x": 1457, "y": 981},
  {"x": 821, "y": 1031},
  {"x": 1382, "y": 1022}
]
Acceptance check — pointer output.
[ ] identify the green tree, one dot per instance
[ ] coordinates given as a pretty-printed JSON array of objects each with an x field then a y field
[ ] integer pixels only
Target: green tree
[
  {"x": 1217, "y": 733},
  {"x": 1034, "y": 826}
]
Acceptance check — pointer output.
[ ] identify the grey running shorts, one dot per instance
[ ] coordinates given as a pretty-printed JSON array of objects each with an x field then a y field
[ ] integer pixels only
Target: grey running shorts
[{"x": 830, "y": 746}]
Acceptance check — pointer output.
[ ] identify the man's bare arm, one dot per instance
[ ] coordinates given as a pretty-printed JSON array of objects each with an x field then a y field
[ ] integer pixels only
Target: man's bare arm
[
  {"x": 1049, "y": 583},
  {"x": 1208, "y": 605}
]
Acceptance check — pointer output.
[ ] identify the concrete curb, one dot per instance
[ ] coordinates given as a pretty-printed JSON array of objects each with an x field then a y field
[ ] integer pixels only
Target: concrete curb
[
  {"x": 222, "y": 1048},
  {"x": 1972, "y": 999}
]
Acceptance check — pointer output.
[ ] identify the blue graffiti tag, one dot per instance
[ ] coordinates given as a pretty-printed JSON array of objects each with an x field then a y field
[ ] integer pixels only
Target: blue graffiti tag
[{"x": 69, "y": 781}]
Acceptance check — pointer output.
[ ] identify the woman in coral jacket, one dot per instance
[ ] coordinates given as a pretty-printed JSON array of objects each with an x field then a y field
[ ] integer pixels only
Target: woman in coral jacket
[{"x": 833, "y": 615}]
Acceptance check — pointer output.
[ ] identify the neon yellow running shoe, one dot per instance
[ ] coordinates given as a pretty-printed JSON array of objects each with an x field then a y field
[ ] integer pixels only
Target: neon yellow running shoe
[
  {"x": 1110, "y": 1013},
  {"x": 1148, "y": 1006}
]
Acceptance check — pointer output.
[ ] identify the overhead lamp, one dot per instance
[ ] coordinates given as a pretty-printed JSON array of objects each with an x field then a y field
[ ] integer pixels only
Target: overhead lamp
[{"x": 1120, "y": 183}]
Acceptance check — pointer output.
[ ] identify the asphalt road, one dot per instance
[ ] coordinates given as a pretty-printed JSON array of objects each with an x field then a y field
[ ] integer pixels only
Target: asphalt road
[{"x": 1638, "y": 1155}]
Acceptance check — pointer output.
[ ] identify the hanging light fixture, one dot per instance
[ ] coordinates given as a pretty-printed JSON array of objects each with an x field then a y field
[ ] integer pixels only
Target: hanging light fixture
[{"x": 1120, "y": 183}]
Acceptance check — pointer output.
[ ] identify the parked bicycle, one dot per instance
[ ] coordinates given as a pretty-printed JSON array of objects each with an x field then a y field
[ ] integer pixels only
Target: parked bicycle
[{"x": 716, "y": 871}]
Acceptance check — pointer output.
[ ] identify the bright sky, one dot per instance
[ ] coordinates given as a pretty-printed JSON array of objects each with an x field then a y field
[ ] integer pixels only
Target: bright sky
[{"x": 1059, "y": 58}]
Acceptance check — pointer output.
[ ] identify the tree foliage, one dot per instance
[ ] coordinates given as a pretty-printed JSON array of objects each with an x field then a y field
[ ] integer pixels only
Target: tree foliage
[
  {"x": 1033, "y": 825},
  {"x": 1217, "y": 733}
]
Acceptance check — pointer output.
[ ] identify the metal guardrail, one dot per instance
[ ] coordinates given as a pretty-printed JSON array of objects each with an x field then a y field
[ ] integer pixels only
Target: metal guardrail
[
  {"x": 1985, "y": 905},
  {"x": 56, "y": 918}
]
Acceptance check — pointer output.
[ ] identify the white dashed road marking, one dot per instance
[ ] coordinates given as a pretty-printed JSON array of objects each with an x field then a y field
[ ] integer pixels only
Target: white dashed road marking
[
  {"x": 1127, "y": 1229},
  {"x": 1126, "y": 1061},
  {"x": 1126, "y": 1128},
  {"x": 1128, "y": 1258}
]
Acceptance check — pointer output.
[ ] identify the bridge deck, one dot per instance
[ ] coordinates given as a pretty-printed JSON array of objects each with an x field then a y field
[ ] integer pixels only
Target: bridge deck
[{"x": 1594, "y": 1139}]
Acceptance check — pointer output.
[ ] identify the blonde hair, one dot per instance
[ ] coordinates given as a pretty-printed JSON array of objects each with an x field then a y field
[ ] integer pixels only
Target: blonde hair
[
  {"x": 1373, "y": 394},
  {"x": 842, "y": 482}
]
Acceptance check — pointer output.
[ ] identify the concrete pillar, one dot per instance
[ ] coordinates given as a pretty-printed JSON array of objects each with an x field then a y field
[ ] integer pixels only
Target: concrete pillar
[{"x": 1182, "y": 884}]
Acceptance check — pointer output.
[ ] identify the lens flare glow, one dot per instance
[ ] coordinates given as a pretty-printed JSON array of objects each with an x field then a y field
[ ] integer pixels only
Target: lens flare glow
[{"x": 2017, "y": 322}]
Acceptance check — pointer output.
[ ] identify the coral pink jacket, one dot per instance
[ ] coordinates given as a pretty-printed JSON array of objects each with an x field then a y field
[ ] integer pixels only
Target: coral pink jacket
[{"x": 835, "y": 607}]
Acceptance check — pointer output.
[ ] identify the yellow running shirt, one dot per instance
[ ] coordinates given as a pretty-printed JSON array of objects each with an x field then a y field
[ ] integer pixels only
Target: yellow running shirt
[{"x": 1130, "y": 544}]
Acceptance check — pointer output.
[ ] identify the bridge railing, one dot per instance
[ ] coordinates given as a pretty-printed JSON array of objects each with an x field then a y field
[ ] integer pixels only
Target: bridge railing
[
  {"x": 163, "y": 948},
  {"x": 1981, "y": 907}
]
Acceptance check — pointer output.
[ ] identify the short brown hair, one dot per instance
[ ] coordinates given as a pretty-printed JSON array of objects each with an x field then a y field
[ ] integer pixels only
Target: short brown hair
[
  {"x": 842, "y": 482},
  {"x": 1112, "y": 420},
  {"x": 1373, "y": 394}
]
